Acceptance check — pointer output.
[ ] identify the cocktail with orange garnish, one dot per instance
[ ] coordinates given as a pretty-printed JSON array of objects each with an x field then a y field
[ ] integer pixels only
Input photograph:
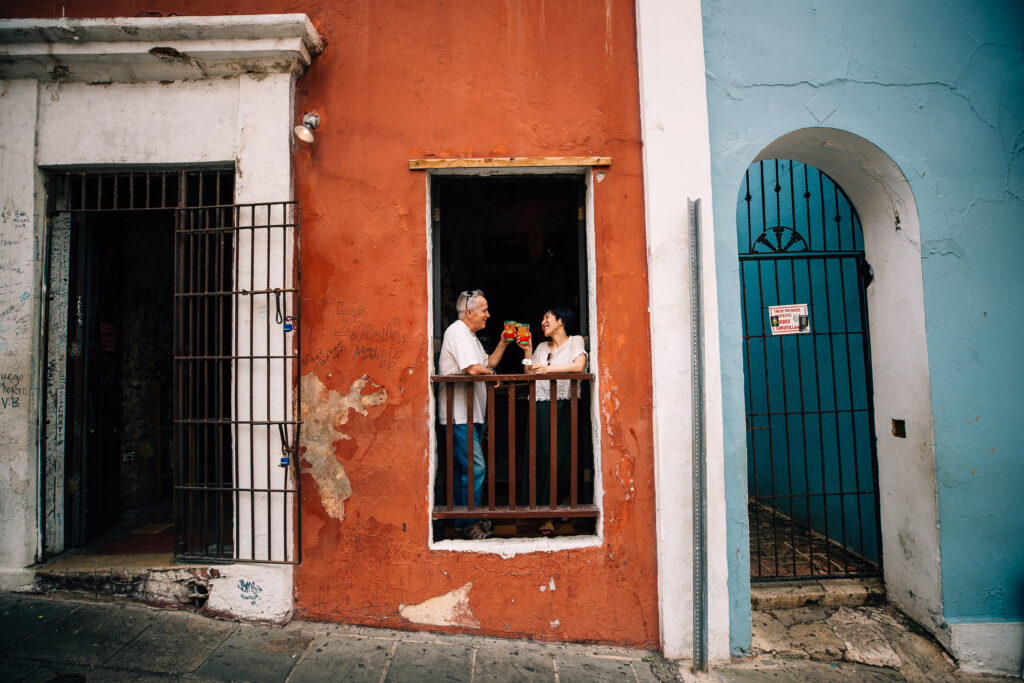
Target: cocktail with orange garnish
[{"x": 523, "y": 334}]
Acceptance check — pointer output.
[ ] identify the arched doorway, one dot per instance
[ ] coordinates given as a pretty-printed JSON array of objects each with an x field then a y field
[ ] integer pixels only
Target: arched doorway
[
  {"x": 905, "y": 443},
  {"x": 812, "y": 472}
]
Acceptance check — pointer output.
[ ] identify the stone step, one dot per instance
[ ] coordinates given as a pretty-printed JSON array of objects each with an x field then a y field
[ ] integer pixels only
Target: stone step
[
  {"x": 825, "y": 593},
  {"x": 149, "y": 579}
]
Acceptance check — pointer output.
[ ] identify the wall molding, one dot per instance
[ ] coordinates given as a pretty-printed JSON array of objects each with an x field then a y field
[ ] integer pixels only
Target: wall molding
[{"x": 125, "y": 50}]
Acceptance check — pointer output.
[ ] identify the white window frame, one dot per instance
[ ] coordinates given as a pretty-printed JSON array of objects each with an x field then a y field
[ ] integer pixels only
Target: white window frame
[{"x": 510, "y": 547}]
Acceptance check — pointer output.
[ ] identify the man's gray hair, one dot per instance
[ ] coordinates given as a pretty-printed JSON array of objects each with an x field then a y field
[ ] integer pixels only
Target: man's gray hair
[{"x": 467, "y": 301}]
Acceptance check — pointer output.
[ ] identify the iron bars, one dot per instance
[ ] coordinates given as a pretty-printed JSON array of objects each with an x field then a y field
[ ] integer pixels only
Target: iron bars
[
  {"x": 236, "y": 365},
  {"x": 812, "y": 480}
]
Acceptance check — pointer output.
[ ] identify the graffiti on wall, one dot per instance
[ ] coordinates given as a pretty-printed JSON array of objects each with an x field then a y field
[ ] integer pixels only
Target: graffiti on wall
[
  {"x": 15, "y": 280},
  {"x": 12, "y": 390},
  {"x": 359, "y": 339},
  {"x": 249, "y": 591},
  {"x": 380, "y": 344},
  {"x": 60, "y": 247}
]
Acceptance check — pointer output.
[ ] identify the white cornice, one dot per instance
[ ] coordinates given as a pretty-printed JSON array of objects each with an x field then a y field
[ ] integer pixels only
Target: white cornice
[{"x": 156, "y": 49}]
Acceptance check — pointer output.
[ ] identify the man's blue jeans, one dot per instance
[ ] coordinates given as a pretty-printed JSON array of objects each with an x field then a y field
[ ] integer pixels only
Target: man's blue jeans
[{"x": 461, "y": 479}]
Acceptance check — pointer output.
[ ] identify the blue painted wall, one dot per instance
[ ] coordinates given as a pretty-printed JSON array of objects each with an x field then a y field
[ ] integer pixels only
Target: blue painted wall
[{"x": 939, "y": 86}]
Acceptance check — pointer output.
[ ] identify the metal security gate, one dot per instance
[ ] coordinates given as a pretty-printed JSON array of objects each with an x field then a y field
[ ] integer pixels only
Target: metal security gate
[
  {"x": 236, "y": 365},
  {"x": 223, "y": 441},
  {"x": 812, "y": 471}
]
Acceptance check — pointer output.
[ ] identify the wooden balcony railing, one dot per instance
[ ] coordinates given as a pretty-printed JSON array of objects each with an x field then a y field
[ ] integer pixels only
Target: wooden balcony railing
[{"x": 501, "y": 497}]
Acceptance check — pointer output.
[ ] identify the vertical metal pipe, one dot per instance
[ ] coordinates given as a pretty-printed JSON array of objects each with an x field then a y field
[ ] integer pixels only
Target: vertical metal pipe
[{"x": 700, "y": 587}]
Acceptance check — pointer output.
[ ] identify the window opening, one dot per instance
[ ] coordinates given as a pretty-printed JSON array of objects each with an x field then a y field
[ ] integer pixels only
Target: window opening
[
  {"x": 522, "y": 240},
  {"x": 812, "y": 469},
  {"x": 148, "y": 342}
]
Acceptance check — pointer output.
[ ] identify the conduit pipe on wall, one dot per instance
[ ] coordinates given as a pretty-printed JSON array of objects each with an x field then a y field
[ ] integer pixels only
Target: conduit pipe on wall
[{"x": 700, "y": 559}]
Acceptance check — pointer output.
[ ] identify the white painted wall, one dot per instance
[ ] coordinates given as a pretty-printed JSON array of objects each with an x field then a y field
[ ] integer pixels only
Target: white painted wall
[
  {"x": 677, "y": 167},
  {"x": 252, "y": 591},
  {"x": 263, "y": 134},
  {"x": 19, "y": 302},
  {"x": 132, "y": 123}
]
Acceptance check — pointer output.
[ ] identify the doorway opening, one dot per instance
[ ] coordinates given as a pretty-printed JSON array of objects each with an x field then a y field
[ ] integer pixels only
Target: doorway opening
[
  {"x": 522, "y": 239},
  {"x": 812, "y": 467},
  {"x": 110, "y": 408}
]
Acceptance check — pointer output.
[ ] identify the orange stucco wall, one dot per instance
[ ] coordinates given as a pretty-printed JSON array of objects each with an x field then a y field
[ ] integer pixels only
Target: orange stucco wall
[{"x": 402, "y": 80}]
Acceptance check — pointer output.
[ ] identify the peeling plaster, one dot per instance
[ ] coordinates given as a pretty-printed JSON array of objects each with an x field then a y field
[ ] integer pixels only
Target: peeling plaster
[
  {"x": 323, "y": 412},
  {"x": 943, "y": 247},
  {"x": 450, "y": 609}
]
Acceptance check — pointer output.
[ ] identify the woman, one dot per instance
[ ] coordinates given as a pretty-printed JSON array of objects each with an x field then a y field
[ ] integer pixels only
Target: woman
[{"x": 562, "y": 352}]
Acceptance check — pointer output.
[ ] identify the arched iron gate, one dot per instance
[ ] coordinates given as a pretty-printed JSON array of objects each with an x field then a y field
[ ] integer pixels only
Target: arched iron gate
[{"x": 812, "y": 471}]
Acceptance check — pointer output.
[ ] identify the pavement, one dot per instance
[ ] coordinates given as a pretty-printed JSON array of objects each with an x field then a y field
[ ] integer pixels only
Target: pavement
[
  {"x": 52, "y": 639},
  {"x": 59, "y": 639}
]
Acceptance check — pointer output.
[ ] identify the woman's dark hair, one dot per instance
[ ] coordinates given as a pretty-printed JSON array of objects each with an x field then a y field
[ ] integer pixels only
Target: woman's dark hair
[{"x": 565, "y": 314}]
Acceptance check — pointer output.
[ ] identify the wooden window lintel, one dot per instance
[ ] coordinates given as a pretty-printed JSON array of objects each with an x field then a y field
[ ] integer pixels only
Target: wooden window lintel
[{"x": 508, "y": 162}]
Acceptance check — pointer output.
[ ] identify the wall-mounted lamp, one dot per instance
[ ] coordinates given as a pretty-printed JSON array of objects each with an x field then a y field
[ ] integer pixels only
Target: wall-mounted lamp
[{"x": 310, "y": 122}]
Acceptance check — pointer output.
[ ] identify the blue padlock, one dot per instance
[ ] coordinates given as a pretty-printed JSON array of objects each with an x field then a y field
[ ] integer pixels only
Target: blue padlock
[
  {"x": 287, "y": 327},
  {"x": 285, "y": 461}
]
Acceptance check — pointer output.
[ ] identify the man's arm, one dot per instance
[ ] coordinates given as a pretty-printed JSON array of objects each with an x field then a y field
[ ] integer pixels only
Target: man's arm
[
  {"x": 499, "y": 351},
  {"x": 492, "y": 361}
]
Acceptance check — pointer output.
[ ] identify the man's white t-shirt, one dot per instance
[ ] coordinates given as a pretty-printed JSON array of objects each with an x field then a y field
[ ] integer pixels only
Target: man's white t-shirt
[{"x": 459, "y": 350}]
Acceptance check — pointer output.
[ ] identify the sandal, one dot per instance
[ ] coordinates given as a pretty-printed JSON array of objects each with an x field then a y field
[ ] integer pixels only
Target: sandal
[
  {"x": 478, "y": 531},
  {"x": 546, "y": 529}
]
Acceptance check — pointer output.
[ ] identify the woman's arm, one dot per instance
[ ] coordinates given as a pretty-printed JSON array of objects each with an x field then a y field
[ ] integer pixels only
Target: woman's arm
[{"x": 576, "y": 365}]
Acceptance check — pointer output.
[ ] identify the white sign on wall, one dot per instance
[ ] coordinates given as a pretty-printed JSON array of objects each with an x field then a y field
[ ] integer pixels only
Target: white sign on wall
[{"x": 791, "y": 319}]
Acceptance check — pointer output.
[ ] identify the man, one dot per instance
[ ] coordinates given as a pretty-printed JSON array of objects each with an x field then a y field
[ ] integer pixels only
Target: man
[{"x": 462, "y": 353}]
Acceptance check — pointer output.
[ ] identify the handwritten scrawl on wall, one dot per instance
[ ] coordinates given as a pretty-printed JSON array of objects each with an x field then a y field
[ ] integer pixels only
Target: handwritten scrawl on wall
[
  {"x": 380, "y": 344},
  {"x": 56, "y": 382},
  {"x": 12, "y": 390},
  {"x": 249, "y": 591},
  {"x": 16, "y": 271}
]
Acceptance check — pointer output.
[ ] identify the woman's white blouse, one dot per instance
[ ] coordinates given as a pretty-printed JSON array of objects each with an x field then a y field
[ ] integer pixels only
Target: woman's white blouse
[{"x": 563, "y": 355}]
